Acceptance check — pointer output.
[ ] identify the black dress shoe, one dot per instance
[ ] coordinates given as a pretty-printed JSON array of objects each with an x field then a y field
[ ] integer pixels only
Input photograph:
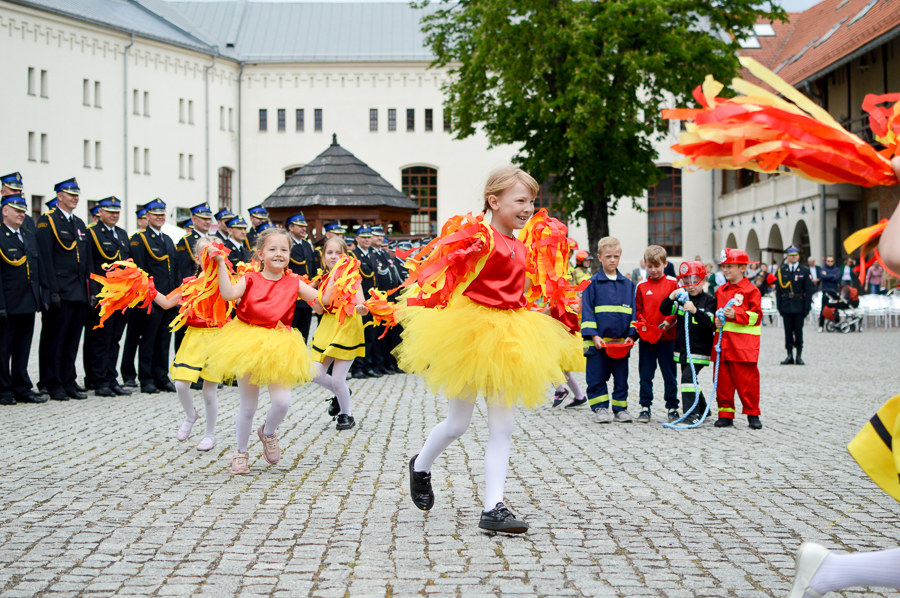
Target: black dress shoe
[
  {"x": 420, "y": 487},
  {"x": 383, "y": 371},
  {"x": 501, "y": 519},
  {"x": 753, "y": 421},
  {"x": 345, "y": 422},
  {"x": 789, "y": 360},
  {"x": 76, "y": 394},
  {"x": 77, "y": 387},
  {"x": 149, "y": 389},
  {"x": 130, "y": 383},
  {"x": 32, "y": 398},
  {"x": 334, "y": 408},
  {"x": 799, "y": 360},
  {"x": 724, "y": 422},
  {"x": 104, "y": 391},
  {"x": 114, "y": 386},
  {"x": 59, "y": 397},
  {"x": 7, "y": 401},
  {"x": 165, "y": 386},
  {"x": 371, "y": 373}
]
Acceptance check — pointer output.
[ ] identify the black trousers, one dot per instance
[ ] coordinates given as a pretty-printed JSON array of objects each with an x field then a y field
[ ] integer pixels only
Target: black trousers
[
  {"x": 65, "y": 326},
  {"x": 394, "y": 340},
  {"x": 133, "y": 334},
  {"x": 153, "y": 350},
  {"x": 793, "y": 331},
  {"x": 302, "y": 319},
  {"x": 43, "y": 346},
  {"x": 369, "y": 335},
  {"x": 179, "y": 336},
  {"x": 15, "y": 345},
  {"x": 687, "y": 390},
  {"x": 87, "y": 347},
  {"x": 380, "y": 347},
  {"x": 105, "y": 347}
]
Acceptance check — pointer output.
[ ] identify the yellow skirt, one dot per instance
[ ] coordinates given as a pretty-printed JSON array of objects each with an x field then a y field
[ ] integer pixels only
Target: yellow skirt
[
  {"x": 573, "y": 359},
  {"x": 877, "y": 447},
  {"x": 332, "y": 339},
  {"x": 466, "y": 349},
  {"x": 190, "y": 360},
  {"x": 269, "y": 355}
]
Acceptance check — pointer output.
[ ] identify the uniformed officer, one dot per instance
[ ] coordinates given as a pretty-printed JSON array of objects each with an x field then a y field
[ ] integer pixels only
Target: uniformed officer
[
  {"x": 110, "y": 244},
  {"x": 22, "y": 279},
  {"x": 43, "y": 343},
  {"x": 793, "y": 295},
  {"x": 237, "y": 242},
  {"x": 68, "y": 260},
  {"x": 400, "y": 274},
  {"x": 363, "y": 366},
  {"x": 258, "y": 217},
  {"x": 87, "y": 337},
  {"x": 222, "y": 217},
  {"x": 303, "y": 263},
  {"x": 134, "y": 319},
  {"x": 154, "y": 252},
  {"x": 93, "y": 212},
  {"x": 200, "y": 223},
  {"x": 11, "y": 184},
  {"x": 386, "y": 279}
]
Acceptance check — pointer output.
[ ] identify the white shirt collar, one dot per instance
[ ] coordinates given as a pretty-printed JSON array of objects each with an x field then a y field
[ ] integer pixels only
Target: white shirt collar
[
  {"x": 66, "y": 215},
  {"x": 158, "y": 231},
  {"x": 16, "y": 231}
]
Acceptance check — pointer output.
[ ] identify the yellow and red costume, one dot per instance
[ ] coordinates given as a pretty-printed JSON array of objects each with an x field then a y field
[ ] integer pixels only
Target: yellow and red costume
[
  {"x": 739, "y": 370},
  {"x": 340, "y": 331},
  {"x": 190, "y": 359}
]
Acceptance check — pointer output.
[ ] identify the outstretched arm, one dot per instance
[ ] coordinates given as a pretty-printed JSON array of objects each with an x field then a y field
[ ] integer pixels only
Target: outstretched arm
[
  {"x": 361, "y": 308},
  {"x": 229, "y": 291},
  {"x": 307, "y": 293},
  {"x": 166, "y": 303}
]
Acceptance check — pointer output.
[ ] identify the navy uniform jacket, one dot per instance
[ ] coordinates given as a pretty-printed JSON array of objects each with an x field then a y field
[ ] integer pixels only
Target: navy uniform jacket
[
  {"x": 607, "y": 309},
  {"x": 184, "y": 252},
  {"x": 304, "y": 260},
  {"x": 794, "y": 290},
  {"x": 252, "y": 234},
  {"x": 384, "y": 275},
  {"x": 366, "y": 268},
  {"x": 108, "y": 246},
  {"x": 28, "y": 224},
  {"x": 154, "y": 253},
  {"x": 66, "y": 253},
  {"x": 400, "y": 266},
  {"x": 22, "y": 276},
  {"x": 240, "y": 254},
  {"x": 220, "y": 237}
]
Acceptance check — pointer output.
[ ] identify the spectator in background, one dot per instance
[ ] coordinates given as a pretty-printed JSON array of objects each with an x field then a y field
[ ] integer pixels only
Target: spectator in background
[
  {"x": 640, "y": 273},
  {"x": 875, "y": 278},
  {"x": 847, "y": 276},
  {"x": 814, "y": 273},
  {"x": 830, "y": 277},
  {"x": 711, "y": 280}
]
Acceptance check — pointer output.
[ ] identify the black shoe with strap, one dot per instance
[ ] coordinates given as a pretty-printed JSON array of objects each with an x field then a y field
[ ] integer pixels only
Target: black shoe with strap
[
  {"x": 501, "y": 519},
  {"x": 420, "y": 486}
]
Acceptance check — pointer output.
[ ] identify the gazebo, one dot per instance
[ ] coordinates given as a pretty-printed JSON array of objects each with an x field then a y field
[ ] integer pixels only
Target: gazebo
[{"x": 337, "y": 185}]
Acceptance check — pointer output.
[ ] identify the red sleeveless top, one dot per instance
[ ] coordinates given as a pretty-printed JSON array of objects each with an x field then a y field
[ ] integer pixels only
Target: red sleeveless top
[
  {"x": 267, "y": 302},
  {"x": 501, "y": 283}
]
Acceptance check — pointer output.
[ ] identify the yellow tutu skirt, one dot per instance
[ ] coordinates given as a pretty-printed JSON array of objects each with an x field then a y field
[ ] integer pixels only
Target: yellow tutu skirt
[
  {"x": 269, "y": 355},
  {"x": 466, "y": 349},
  {"x": 190, "y": 360},
  {"x": 332, "y": 339},
  {"x": 573, "y": 359}
]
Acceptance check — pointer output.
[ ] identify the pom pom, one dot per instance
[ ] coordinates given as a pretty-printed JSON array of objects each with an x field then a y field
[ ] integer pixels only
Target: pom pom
[
  {"x": 200, "y": 297},
  {"x": 346, "y": 281},
  {"x": 760, "y": 131},
  {"x": 866, "y": 240},
  {"x": 124, "y": 285},
  {"x": 383, "y": 311}
]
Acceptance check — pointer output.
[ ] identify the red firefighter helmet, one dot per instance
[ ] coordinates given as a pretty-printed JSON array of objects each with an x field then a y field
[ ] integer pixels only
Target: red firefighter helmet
[
  {"x": 581, "y": 257},
  {"x": 573, "y": 244},
  {"x": 771, "y": 278},
  {"x": 734, "y": 256},
  {"x": 691, "y": 274}
]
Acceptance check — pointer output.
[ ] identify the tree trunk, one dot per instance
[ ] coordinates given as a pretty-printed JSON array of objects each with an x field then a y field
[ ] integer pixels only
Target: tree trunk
[{"x": 596, "y": 215}]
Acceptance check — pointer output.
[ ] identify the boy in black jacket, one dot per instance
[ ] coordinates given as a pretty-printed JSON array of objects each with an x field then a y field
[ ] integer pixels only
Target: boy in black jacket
[{"x": 701, "y": 308}]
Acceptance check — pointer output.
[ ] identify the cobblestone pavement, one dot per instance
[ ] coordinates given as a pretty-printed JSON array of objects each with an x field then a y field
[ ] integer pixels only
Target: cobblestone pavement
[{"x": 97, "y": 497}]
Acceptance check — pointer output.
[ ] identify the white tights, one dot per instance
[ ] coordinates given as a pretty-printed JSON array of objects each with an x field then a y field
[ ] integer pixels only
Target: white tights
[
  {"x": 183, "y": 388},
  {"x": 337, "y": 381},
  {"x": 572, "y": 383},
  {"x": 879, "y": 569},
  {"x": 281, "y": 402},
  {"x": 501, "y": 421}
]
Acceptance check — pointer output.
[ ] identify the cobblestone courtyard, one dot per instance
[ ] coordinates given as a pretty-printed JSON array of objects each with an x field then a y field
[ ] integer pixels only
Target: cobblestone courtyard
[{"x": 97, "y": 497}]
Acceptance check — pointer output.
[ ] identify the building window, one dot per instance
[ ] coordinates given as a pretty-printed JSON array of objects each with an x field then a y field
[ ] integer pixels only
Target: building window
[
  {"x": 191, "y": 166},
  {"x": 96, "y": 94},
  {"x": 230, "y": 121},
  {"x": 446, "y": 120},
  {"x": 410, "y": 119},
  {"x": 45, "y": 150},
  {"x": 300, "y": 119},
  {"x": 429, "y": 119},
  {"x": 225, "y": 188},
  {"x": 373, "y": 119},
  {"x": 263, "y": 119},
  {"x": 86, "y": 93},
  {"x": 98, "y": 163},
  {"x": 190, "y": 112},
  {"x": 221, "y": 118},
  {"x": 318, "y": 116},
  {"x": 147, "y": 103},
  {"x": 146, "y": 161},
  {"x": 547, "y": 200},
  {"x": 180, "y": 166},
  {"x": 30, "y": 81},
  {"x": 135, "y": 100},
  {"x": 37, "y": 206},
  {"x": 664, "y": 211},
  {"x": 87, "y": 153},
  {"x": 31, "y": 151},
  {"x": 282, "y": 125},
  {"x": 289, "y": 172},
  {"x": 181, "y": 110},
  {"x": 420, "y": 185},
  {"x": 137, "y": 155},
  {"x": 44, "y": 90},
  {"x": 392, "y": 119}
]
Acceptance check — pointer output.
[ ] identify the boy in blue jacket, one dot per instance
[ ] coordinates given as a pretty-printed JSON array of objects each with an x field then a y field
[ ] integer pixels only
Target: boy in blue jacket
[{"x": 607, "y": 310}]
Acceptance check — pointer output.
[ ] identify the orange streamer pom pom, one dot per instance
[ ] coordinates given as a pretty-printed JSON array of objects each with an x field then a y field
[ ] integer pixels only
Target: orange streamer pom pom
[
  {"x": 200, "y": 297},
  {"x": 383, "y": 311},
  {"x": 449, "y": 261},
  {"x": 760, "y": 131},
  {"x": 247, "y": 267},
  {"x": 124, "y": 285},
  {"x": 885, "y": 122},
  {"x": 346, "y": 281},
  {"x": 866, "y": 240}
]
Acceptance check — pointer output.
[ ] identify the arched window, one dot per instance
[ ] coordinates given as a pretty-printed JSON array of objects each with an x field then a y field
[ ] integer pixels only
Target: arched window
[
  {"x": 225, "y": 187},
  {"x": 419, "y": 183},
  {"x": 664, "y": 211}
]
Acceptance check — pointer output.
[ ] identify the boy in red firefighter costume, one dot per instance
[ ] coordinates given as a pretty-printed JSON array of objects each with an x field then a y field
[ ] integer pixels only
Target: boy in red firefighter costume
[{"x": 740, "y": 341}]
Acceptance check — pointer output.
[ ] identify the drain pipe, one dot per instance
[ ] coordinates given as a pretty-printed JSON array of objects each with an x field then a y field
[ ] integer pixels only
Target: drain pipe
[
  {"x": 713, "y": 212},
  {"x": 206, "y": 83},
  {"x": 240, "y": 173},
  {"x": 823, "y": 200},
  {"x": 125, "y": 205}
]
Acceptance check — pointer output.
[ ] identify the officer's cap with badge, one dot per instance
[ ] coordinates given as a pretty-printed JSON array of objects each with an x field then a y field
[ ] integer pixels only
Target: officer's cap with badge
[
  {"x": 110, "y": 204},
  {"x": 791, "y": 250},
  {"x": 202, "y": 211},
  {"x": 378, "y": 230},
  {"x": 15, "y": 201},
  {"x": 95, "y": 211},
  {"x": 141, "y": 211},
  {"x": 264, "y": 226},
  {"x": 297, "y": 219},
  {"x": 363, "y": 231},
  {"x": 12, "y": 180},
  {"x": 69, "y": 186},
  {"x": 237, "y": 222},
  {"x": 349, "y": 240},
  {"x": 51, "y": 203},
  {"x": 187, "y": 224},
  {"x": 259, "y": 212},
  {"x": 224, "y": 214},
  {"x": 404, "y": 246},
  {"x": 157, "y": 206},
  {"x": 335, "y": 227}
]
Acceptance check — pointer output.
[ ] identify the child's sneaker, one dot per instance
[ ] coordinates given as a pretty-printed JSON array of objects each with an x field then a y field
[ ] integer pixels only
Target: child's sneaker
[
  {"x": 602, "y": 416},
  {"x": 754, "y": 422},
  {"x": 559, "y": 396},
  {"x": 644, "y": 417},
  {"x": 501, "y": 519},
  {"x": 622, "y": 417},
  {"x": 420, "y": 486},
  {"x": 240, "y": 463},
  {"x": 271, "y": 450},
  {"x": 345, "y": 422},
  {"x": 724, "y": 422},
  {"x": 673, "y": 415},
  {"x": 577, "y": 403}
]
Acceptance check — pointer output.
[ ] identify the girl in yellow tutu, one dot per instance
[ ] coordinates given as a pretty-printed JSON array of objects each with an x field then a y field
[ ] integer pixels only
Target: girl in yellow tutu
[
  {"x": 336, "y": 343},
  {"x": 259, "y": 347},
  {"x": 484, "y": 342}
]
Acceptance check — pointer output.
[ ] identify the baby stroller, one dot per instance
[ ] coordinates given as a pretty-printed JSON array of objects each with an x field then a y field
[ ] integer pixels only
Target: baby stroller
[{"x": 841, "y": 311}]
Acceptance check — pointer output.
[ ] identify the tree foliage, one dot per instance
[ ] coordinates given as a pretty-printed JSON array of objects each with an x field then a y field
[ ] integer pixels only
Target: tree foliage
[{"x": 579, "y": 84}]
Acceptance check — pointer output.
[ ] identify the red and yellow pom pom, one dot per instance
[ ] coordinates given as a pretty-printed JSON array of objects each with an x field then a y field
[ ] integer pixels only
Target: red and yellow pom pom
[
  {"x": 760, "y": 131},
  {"x": 383, "y": 312},
  {"x": 346, "y": 280},
  {"x": 124, "y": 285},
  {"x": 246, "y": 267},
  {"x": 866, "y": 240},
  {"x": 200, "y": 297},
  {"x": 449, "y": 261}
]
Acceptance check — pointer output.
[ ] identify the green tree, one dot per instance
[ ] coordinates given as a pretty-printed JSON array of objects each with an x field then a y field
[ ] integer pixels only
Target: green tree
[{"x": 579, "y": 84}]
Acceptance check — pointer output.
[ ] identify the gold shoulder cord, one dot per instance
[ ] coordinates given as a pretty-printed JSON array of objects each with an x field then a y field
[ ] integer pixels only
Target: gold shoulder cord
[
  {"x": 293, "y": 261},
  {"x": 187, "y": 245},
  {"x": 247, "y": 244},
  {"x": 165, "y": 258},
  {"x": 784, "y": 286},
  {"x": 18, "y": 262},
  {"x": 70, "y": 248},
  {"x": 100, "y": 249}
]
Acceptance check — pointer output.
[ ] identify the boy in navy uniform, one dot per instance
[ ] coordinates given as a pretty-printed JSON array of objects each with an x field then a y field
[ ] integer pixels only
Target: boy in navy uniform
[
  {"x": 363, "y": 366},
  {"x": 134, "y": 320},
  {"x": 22, "y": 279},
  {"x": 110, "y": 244},
  {"x": 222, "y": 217},
  {"x": 237, "y": 242},
  {"x": 303, "y": 262},
  {"x": 258, "y": 217},
  {"x": 66, "y": 253},
  {"x": 793, "y": 296}
]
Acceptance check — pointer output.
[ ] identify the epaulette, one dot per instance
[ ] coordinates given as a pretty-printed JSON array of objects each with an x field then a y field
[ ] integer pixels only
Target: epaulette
[{"x": 92, "y": 225}]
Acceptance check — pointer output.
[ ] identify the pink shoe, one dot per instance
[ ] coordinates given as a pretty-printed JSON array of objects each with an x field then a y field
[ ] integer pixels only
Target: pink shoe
[
  {"x": 182, "y": 435},
  {"x": 207, "y": 443},
  {"x": 271, "y": 450}
]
